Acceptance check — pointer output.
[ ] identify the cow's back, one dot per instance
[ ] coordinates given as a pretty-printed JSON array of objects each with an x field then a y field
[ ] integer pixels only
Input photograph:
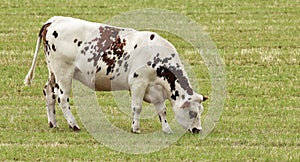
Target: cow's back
[{"x": 65, "y": 35}]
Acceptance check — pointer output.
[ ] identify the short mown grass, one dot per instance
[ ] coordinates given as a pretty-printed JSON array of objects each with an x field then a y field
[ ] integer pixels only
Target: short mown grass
[{"x": 257, "y": 40}]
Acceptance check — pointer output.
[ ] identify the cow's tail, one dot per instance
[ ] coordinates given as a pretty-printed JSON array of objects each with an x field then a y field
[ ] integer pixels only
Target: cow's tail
[
  {"x": 42, "y": 34},
  {"x": 30, "y": 74}
]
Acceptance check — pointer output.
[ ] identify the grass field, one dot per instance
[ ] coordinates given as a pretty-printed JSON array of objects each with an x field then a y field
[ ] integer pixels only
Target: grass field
[{"x": 258, "y": 41}]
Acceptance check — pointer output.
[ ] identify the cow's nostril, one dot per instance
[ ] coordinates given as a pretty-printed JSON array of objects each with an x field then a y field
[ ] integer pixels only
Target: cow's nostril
[{"x": 196, "y": 130}]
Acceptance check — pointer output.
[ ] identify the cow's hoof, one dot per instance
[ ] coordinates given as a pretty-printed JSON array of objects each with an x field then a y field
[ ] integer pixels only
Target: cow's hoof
[
  {"x": 135, "y": 131},
  {"x": 196, "y": 131},
  {"x": 75, "y": 128},
  {"x": 51, "y": 125}
]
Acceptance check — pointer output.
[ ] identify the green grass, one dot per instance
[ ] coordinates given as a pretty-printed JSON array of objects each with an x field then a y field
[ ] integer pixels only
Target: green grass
[{"x": 258, "y": 41}]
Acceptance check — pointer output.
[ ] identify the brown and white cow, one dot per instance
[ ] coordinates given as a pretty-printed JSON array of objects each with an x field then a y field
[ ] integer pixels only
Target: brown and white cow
[{"x": 108, "y": 58}]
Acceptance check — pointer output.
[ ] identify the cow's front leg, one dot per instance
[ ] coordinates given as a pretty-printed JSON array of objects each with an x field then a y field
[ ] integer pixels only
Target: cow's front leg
[
  {"x": 161, "y": 111},
  {"x": 137, "y": 95},
  {"x": 136, "y": 110}
]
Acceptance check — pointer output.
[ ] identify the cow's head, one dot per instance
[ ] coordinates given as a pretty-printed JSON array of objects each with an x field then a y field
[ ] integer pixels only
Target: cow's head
[{"x": 188, "y": 113}]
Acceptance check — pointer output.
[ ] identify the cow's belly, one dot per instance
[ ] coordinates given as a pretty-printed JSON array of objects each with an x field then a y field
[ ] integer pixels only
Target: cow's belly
[
  {"x": 104, "y": 82},
  {"x": 100, "y": 81}
]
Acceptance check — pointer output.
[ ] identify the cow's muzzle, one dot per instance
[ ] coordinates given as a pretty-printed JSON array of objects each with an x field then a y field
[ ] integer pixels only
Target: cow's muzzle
[{"x": 195, "y": 130}]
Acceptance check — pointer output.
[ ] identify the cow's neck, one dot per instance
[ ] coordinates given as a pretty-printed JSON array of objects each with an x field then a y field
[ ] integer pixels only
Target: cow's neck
[
  {"x": 180, "y": 95},
  {"x": 177, "y": 83}
]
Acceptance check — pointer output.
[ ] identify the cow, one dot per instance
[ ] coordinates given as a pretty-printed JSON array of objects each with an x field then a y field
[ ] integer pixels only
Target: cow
[{"x": 109, "y": 58}]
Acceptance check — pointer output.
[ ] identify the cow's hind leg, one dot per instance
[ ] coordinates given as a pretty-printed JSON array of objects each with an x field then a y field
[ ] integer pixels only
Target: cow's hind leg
[
  {"x": 63, "y": 87},
  {"x": 49, "y": 93},
  {"x": 161, "y": 111}
]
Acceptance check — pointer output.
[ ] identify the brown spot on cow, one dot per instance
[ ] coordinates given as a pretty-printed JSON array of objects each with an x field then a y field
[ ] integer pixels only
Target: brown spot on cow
[
  {"x": 86, "y": 48},
  {"x": 109, "y": 48},
  {"x": 79, "y": 43},
  {"x": 109, "y": 62},
  {"x": 117, "y": 47},
  {"x": 152, "y": 36},
  {"x": 125, "y": 67},
  {"x": 106, "y": 40},
  {"x": 98, "y": 69},
  {"x": 149, "y": 63},
  {"x": 120, "y": 62},
  {"x": 42, "y": 34},
  {"x": 107, "y": 36},
  {"x": 173, "y": 96},
  {"x": 52, "y": 79},
  {"x": 53, "y": 47},
  {"x": 183, "y": 97},
  {"x": 43, "y": 31},
  {"x": 55, "y": 34},
  {"x": 56, "y": 86}
]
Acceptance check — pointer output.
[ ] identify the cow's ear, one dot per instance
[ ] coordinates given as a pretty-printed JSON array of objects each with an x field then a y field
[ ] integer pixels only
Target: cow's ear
[
  {"x": 186, "y": 104},
  {"x": 205, "y": 98}
]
